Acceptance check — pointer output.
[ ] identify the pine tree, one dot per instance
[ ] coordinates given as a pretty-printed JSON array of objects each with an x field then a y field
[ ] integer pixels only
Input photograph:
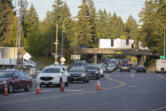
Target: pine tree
[
  {"x": 31, "y": 31},
  {"x": 6, "y": 13},
  {"x": 83, "y": 25},
  {"x": 102, "y": 23},
  {"x": 152, "y": 28}
]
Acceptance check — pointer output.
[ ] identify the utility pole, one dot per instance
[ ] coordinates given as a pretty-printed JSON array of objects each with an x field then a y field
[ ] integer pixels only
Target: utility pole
[
  {"x": 164, "y": 43},
  {"x": 22, "y": 4},
  {"x": 56, "y": 46}
]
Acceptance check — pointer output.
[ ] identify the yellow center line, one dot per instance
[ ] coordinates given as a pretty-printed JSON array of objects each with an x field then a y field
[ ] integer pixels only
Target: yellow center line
[{"x": 60, "y": 96}]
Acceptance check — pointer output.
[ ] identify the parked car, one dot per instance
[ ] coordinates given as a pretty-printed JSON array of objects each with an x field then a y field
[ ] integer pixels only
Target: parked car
[
  {"x": 93, "y": 71},
  {"x": 141, "y": 68},
  {"x": 124, "y": 67},
  {"x": 78, "y": 74},
  {"x": 52, "y": 75},
  {"x": 15, "y": 80}
]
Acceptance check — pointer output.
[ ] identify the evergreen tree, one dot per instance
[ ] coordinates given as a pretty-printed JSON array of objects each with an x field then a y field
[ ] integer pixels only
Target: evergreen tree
[
  {"x": 92, "y": 13},
  {"x": 152, "y": 28},
  {"x": 5, "y": 19},
  {"x": 102, "y": 23},
  {"x": 32, "y": 31},
  {"x": 83, "y": 25}
]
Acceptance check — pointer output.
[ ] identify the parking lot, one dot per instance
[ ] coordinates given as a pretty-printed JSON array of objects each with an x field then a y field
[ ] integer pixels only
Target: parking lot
[{"x": 121, "y": 91}]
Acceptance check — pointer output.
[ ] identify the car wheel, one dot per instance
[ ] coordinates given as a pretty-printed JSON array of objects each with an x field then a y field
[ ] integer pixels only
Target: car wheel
[
  {"x": 27, "y": 88},
  {"x": 67, "y": 83},
  {"x": 87, "y": 81},
  {"x": 10, "y": 88}
]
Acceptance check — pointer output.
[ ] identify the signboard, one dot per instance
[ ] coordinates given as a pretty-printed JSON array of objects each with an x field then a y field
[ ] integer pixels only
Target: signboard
[
  {"x": 26, "y": 56},
  {"x": 162, "y": 57},
  {"x": 118, "y": 52},
  {"x": 75, "y": 57}
]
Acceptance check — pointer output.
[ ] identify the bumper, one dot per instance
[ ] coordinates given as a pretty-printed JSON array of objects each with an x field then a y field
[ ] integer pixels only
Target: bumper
[
  {"x": 93, "y": 76},
  {"x": 77, "y": 78},
  {"x": 54, "y": 81}
]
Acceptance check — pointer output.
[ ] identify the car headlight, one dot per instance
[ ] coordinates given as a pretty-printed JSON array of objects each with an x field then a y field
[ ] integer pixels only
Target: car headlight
[
  {"x": 97, "y": 72},
  {"x": 4, "y": 82},
  {"x": 83, "y": 75}
]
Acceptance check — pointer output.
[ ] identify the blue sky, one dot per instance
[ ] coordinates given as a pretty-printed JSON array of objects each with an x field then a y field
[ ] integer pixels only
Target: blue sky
[{"x": 123, "y": 8}]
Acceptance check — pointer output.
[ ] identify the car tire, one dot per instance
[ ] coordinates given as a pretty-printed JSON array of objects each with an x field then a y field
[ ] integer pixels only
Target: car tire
[
  {"x": 67, "y": 83},
  {"x": 27, "y": 88},
  {"x": 10, "y": 88}
]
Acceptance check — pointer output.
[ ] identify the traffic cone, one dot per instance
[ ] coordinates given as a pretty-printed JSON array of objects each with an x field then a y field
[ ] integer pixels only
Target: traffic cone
[
  {"x": 62, "y": 87},
  {"x": 5, "y": 90},
  {"x": 38, "y": 89},
  {"x": 98, "y": 85}
]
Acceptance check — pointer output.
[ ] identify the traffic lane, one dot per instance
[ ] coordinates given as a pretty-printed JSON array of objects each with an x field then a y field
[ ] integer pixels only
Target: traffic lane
[
  {"x": 55, "y": 92},
  {"x": 142, "y": 82},
  {"x": 120, "y": 99},
  {"x": 126, "y": 97}
]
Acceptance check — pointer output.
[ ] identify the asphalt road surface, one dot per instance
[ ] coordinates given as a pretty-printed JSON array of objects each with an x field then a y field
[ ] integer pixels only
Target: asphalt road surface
[{"x": 121, "y": 91}]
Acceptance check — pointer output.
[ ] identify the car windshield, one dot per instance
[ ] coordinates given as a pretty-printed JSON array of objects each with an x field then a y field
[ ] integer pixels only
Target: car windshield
[
  {"x": 92, "y": 68},
  {"x": 125, "y": 65},
  {"x": 5, "y": 74},
  {"x": 51, "y": 70},
  {"x": 77, "y": 70}
]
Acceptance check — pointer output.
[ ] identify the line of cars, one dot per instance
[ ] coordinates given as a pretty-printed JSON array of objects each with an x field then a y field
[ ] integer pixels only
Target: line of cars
[{"x": 80, "y": 71}]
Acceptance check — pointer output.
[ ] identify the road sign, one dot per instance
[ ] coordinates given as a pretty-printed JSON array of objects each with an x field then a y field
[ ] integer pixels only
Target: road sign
[
  {"x": 62, "y": 60},
  {"x": 162, "y": 57},
  {"x": 75, "y": 57},
  {"x": 118, "y": 52}
]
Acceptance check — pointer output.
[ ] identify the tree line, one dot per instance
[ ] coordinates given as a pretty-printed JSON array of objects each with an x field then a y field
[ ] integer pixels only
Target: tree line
[{"x": 84, "y": 30}]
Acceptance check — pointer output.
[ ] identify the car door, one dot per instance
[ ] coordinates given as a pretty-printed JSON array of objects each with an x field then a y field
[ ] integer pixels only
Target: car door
[
  {"x": 23, "y": 79},
  {"x": 16, "y": 80},
  {"x": 64, "y": 74}
]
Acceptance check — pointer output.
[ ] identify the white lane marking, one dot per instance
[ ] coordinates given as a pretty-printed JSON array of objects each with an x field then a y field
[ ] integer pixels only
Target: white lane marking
[
  {"x": 160, "y": 76},
  {"x": 159, "y": 109},
  {"x": 132, "y": 75},
  {"x": 132, "y": 86},
  {"x": 74, "y": 90},
  {"x": 42, "y": 91}
]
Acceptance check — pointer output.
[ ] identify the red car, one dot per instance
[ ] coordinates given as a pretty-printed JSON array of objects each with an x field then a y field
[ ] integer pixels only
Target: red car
[{"x": 15, "y": 80}]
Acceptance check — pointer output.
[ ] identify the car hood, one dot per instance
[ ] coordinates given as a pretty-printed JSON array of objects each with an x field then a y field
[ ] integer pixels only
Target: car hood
[
  {"x": 48, "y": 74},
  {"x": 76, "y": 73},
  {"x": 92, "y": 70},
  {"x": 4, "y": 79}
]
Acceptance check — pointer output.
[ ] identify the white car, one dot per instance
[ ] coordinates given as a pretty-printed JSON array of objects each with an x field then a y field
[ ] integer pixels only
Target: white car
[{"x": 52, "y": 75}]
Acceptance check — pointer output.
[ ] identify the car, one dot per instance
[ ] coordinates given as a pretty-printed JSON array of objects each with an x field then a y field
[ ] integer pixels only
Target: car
[
  {"x": 78, "y": 74},
  {"x": 93, "y": 71},
  {"x": 15, "y": 80},
  {"x": 111, "y": 67},
  {"x": 80, "y": 63},
  {"x": 52, "y": 75},
  {"x": 124, "y": 67},
  {"x": 141, "y": 68}
]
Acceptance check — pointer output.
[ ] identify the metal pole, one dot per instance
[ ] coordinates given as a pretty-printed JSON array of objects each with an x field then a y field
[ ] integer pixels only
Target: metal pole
[
  {"x": 56, "y": 45},
  {"x": 75, "y": 44},
  {"x": 164, "y": 43},
  {"x": 62, "y": 43}
]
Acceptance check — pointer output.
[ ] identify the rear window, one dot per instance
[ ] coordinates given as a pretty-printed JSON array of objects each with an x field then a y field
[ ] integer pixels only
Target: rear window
[
  {"x": 51, "y": 70},
  {"x": 125, "y": 65},
  {"x": 92, "y": 67},
  {"x": 5, "y": 74}
]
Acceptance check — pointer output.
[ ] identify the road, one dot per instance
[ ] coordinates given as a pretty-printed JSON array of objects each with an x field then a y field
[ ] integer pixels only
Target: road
[{"x": 121, "y": 91}]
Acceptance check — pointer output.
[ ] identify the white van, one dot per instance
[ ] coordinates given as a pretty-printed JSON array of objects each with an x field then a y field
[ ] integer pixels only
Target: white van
[{"x": 160, "y": 65}]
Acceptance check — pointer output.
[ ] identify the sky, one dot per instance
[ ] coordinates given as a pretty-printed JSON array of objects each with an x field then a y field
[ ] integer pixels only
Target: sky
[{"x": 123, "y": 8}]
